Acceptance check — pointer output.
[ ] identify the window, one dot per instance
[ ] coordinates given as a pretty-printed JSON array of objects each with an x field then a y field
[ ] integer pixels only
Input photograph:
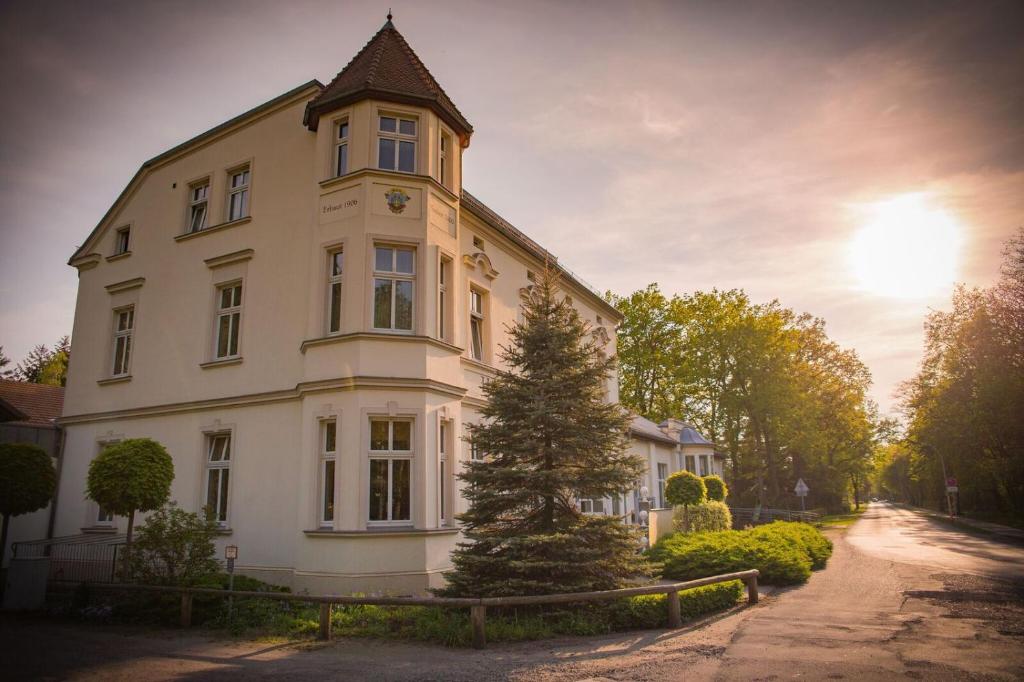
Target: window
[
  {"x": 335, "y": 262},
  {"x": 197, "y": 203},
  {"x": 341, "y": 149},
  {"x": 393, "y": 278},
  {"x": 328, "y": 450},
  {"x": 238, "y": 194},
  {"x": 443, "y": 162},
  {"x": 476, "y": 324},
  {"x": 592, "y": 506},
  {"x": 396, "y": 144},
  {"x": 390, "y": 470},
  {"x": 218, "y": 466},
  {"x": 124, "y": 325},
  {"x": 690, "y": 465},
  {"x": 662, "y": 475},
  {"x": 229, "y": 317},
  {"x": 122, "y": 240},
  {"x": 444, "y": 277},
  {"x": 475, "y": 454},
  {"x": 103, "y": 517},
  {"x": 442, "y": 473}
]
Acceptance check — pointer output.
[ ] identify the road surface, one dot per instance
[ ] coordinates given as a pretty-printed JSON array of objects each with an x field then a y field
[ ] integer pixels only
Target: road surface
[{"x": 902, "y": 597}]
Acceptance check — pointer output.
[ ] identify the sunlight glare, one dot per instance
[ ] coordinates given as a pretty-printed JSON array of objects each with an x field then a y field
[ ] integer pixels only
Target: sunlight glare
[{"x": 907, "y": 247}]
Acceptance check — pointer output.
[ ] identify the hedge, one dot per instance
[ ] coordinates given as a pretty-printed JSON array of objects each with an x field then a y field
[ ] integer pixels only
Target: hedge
[
  {"x": 784, "y": 553},
  {"x": 702, "y": 518}
]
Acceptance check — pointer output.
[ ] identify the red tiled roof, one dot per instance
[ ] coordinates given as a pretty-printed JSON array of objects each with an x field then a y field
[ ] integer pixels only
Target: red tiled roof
[
  {"x": 386, "y": 68},
  {"x": 42, "y": 404}
]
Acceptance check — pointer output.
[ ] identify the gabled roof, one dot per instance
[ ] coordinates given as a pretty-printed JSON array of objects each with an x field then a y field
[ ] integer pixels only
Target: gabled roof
[
  {"x": 33, "y": 404},
  {"x": 387, "y": 69},
  {"x": 645, "y": 428}
]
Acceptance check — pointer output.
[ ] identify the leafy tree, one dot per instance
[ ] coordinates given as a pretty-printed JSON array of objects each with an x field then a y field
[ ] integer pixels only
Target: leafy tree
[
  {"x": 27, "y": 482},
  {"x": 42, "y": 365},
  {"x": 175, "y": 547},
  {"x": 552, "y": 439},
  {"x": 130, "y": 476},
  {"x": 717, "y": 490},
  {"x": 4, "y": 362},
  {"x": 685, "y": 488}
]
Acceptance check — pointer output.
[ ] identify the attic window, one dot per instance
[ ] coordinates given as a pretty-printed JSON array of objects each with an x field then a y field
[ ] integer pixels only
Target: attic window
[
  {"x": 396, "y": 144},
  {"x": 122, "y": 240}
]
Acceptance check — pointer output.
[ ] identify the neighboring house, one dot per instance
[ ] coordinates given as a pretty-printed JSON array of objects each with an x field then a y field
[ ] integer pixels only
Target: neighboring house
[
  {"x": 302, "y": 305},
  {"x": 28, "y": 414}
]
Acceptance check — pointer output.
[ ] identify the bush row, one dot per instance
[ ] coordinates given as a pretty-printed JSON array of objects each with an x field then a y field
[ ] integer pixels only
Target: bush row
[
  {"x": 450, "y": 627},
  {"x": 784, "y": 553}
]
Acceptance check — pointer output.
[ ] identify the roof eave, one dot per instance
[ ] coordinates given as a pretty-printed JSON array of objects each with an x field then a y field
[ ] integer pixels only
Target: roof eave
[{"x": 314, "y": 111}]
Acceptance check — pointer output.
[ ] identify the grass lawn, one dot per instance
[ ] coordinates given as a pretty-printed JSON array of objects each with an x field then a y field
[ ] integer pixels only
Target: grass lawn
[{"x": 842, "y": 520}]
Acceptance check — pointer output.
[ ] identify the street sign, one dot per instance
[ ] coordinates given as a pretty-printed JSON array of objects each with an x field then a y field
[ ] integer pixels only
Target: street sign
[
  {"x": 952, "y": 489},
  {"x": 801, "y": 488},
  {"x": 951, "y": 482}
]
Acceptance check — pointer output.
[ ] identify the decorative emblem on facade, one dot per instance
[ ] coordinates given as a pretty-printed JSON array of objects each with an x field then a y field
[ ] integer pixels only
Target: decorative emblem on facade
[{"x": 397, "y": 199}]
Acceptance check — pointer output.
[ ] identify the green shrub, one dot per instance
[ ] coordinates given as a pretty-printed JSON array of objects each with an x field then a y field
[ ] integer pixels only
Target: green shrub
[
  {"x": 175, "y": 547},
  {"x": 717, "y": 490},
  {"x": 702, "y": 518},
  {"x": 783, "y": 552},
  {"x": 685, "y": 488}
]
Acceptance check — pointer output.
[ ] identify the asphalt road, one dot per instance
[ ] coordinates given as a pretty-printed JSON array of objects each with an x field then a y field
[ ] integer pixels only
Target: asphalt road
[{"x": 902, "y": 597}]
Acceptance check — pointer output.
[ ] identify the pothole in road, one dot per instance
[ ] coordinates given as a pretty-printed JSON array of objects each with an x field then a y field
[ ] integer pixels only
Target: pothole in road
[{"x": 1000, "y": 603}]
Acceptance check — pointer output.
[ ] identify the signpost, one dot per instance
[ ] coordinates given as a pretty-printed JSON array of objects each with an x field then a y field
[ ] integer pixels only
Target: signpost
[
  {"x": 801, "y": 491},
  {"x": 952, "y": 491},
  {"x": 231, "y": 553}
]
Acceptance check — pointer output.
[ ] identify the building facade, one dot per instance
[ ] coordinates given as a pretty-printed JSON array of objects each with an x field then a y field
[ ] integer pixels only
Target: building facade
[{"x": 302, "y": 305}]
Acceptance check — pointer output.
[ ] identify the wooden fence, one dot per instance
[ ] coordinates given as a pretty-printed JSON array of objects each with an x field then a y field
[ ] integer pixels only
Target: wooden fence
[{"x": 477, "y": 606}]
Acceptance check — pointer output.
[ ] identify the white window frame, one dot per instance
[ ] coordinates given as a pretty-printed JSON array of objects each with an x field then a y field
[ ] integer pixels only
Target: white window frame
[
  {"x": 391, "y": 455},
  {"x": 589, "y": 506},
  {"x": 477, "y": 340},
  {"x": 328, "y": 473},
  {"x": 444, "y": 167},
  {"x": 335, "y": 289},
  {"x": 198, "y": 200},
  {"x": 123, "y": 240},
  {"x": 341, "y": 148},
  {"x": 234, "y": 314},
  {"x": 222, "y": 468},
  {"x": 444, "y": 432},
  {"x": 127, "y": 335},
  {"x": 444, "y": 276},
  {"x": 242, "y": 190},
  {"x": 394, "y": 276},
  {"x": 662, "y": 470},
  {"x": 398, "y": 138}
]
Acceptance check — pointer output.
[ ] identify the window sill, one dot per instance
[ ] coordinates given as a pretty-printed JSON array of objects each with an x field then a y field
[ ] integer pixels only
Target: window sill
[
  {"x": 383, "y": 531},
  {"x": 212, "y": 228},
  {"x": 490, "y": 369},
  {"x": 223, "y": 531},
  {"x": 221, "y": 363},
  {"x": 99, "y": 530},
  {"x": 114, "y": 380},
  {"x": 118, "y": 256},
  {"x": 379, "y": 336}
]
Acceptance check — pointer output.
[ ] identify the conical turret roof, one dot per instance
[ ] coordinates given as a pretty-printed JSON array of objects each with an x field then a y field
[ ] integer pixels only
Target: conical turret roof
[{"x": 387, "y": 69}]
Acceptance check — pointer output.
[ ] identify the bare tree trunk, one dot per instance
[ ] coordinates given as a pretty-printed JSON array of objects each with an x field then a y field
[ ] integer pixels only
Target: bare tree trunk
[{"x": 128, "y": 546}]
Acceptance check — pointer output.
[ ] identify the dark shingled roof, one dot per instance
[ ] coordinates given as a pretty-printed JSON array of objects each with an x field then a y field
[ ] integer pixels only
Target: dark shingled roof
[
  {"x": 645, "y": 428},
  {"x": 386, "y": 68},
  {"x": 39, "y": 404}
]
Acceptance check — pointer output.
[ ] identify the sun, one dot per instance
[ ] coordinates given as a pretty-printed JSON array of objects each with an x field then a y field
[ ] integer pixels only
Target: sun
[{"x": 907, "y": 247}]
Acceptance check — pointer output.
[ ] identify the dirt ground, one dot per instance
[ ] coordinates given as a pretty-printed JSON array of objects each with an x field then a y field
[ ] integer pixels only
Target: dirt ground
[{"x": 902, "y": 597}]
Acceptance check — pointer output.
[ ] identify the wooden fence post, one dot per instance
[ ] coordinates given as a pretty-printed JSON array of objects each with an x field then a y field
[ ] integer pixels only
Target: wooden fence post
[
  {"x": 325, "y": 620},
  {"x": 752, "y": 589},
  {"x": 675, "y": 620},
  {"x": 186, "y": 609},
  {"x": 478, "y": 615}
]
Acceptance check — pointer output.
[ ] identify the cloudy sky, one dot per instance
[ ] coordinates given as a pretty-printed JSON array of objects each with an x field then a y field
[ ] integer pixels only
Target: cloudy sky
[{"x": 797, "y": 150}]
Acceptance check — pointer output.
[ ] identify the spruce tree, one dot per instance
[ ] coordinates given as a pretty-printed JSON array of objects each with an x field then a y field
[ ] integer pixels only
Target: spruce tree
[{"x": 550, "y": 438}]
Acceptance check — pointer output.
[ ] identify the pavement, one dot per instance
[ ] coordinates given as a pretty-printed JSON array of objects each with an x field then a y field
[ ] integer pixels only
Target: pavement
[{"x": 903, "y": 596}]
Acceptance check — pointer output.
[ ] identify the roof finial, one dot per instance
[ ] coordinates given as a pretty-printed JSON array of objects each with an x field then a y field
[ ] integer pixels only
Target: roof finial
[{"x": 389, "y": 14}]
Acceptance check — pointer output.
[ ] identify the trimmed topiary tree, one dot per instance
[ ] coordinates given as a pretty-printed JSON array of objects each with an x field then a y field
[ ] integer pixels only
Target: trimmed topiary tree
[
  {"x": 717, "y": 490},
  {"x": 130, "y": 476},
  {"x": 705, "y": 517},
  {"x": 685, "y": 488},
  {"x": 27, "y": 482}
]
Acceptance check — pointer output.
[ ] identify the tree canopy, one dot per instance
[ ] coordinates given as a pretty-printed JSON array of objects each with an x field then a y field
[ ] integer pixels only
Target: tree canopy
[
  {"x": 765, "y": 384},
  {"x": 551, "y": 439},
  {"x": 685, "y": 488},
  {"x": 27, "y": 482}
]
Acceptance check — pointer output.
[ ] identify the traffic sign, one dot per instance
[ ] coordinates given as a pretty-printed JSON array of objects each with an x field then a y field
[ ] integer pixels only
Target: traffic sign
[
  {"x": 801, "y": 489},
  {"x": 952, "y": 489},
  {"x": 951, "y": 482}
]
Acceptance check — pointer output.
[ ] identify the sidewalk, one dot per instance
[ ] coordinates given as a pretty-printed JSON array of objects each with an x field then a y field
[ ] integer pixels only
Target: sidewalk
[{"x": 1008, "y": 533}]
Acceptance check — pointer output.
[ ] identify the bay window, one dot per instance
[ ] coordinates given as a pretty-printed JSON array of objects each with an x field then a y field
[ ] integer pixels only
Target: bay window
[
  {"x": 328, "y": 451},
  {"x": 393, "y": 288},
  {"x": 390, "y": 471},
  {"x": 396, "y": 143},
  {"x": 334, "y": 269},
  {"x": 341, "y": 149}
]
